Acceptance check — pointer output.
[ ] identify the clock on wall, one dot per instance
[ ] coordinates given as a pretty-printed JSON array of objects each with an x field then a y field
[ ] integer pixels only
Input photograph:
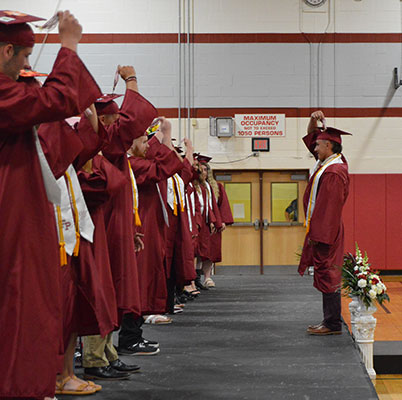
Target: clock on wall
[{"x": 315, "y": 3}]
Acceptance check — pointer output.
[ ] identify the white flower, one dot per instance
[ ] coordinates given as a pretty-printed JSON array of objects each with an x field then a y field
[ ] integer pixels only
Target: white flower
[
  {"x": 372, "y": 294},
  {"x": 362, "y": 283},
  {"x": 356, "y": 268},
  {"x": 378, "y": 288}
]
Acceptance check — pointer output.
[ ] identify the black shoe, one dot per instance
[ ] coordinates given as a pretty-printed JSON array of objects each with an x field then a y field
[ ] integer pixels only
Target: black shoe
[
  {"x": 138, "y": 349},
  {"x": 150, "y": 343},
  {"x": 105, "y": 373},
  {"x": 122, "y": 367}
]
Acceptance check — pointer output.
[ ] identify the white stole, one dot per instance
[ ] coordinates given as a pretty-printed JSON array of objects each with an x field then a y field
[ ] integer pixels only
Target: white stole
[
  {"x": 86, "y": 225},
  {"x": 190, "y": 208},
  {"x": 171, "y": 192},
  {"x": 164, "y": 211},
  {"x": 53, "y": 191}
]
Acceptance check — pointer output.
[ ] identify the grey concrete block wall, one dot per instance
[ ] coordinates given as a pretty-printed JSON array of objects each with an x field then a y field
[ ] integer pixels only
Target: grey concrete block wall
[{"x": 253, "y": 75}]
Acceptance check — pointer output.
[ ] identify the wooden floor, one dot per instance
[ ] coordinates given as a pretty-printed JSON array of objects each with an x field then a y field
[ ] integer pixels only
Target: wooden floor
[
  {"x": 389, "y": 327},
  {"x": 389, "y": 387}
]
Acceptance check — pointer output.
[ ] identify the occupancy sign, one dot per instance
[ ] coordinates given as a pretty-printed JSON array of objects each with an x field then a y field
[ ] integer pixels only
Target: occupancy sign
[{"x": 260, "y": 125}]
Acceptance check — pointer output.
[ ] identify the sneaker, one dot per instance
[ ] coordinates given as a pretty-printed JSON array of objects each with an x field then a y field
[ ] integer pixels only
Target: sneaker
[
  {"x": 138, "y": 349},
  {"x": 150, "y": 343}
]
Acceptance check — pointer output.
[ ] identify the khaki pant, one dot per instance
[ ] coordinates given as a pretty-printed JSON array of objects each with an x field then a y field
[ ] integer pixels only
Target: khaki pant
[{"x": 98, "y": 351}]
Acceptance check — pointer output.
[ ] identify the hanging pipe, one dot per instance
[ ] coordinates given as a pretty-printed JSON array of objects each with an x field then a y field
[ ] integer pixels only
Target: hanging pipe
[{"x": 179, "y": 57}]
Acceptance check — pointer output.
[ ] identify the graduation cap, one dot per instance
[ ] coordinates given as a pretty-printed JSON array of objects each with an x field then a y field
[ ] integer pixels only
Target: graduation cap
[
  {"x": 106, "y": 104},
  {"x": 333, "y": 134},
  {"x": 15, "y": 30},
  {"x": 152, "y": 129},
  {"x": 178, "y": 149},
  {"x": 201, "y": 158}
]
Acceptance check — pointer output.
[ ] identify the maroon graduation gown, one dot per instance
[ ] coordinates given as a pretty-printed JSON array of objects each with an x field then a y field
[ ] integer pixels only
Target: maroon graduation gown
[
  {"x": 95, "y": 282},
  {"x": 136, "y": 114},
  {"x": 162, "y": 164},
  {"x": 227, "y": 218},
  {"x": 82, "y": 300},
  {"x": 30, "y": 309},
  {"x": 326, "y": 228}
]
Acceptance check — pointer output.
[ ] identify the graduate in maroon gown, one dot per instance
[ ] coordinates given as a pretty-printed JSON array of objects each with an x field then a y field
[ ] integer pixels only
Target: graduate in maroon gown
[
  {"x": 212, "y": 223},
  {"x": 152, "y": 163},
  {"x": 323, "y": 201},
  {"x": 30, "y": 306},
  {"x": 179, "y": 258},
  {"x": 226, "y": 217}
]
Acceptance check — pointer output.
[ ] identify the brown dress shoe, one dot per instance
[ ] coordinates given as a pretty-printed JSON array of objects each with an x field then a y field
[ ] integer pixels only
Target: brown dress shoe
[
  {"x": 315, "y": 326},
  {"x": 322, "y": 330}
]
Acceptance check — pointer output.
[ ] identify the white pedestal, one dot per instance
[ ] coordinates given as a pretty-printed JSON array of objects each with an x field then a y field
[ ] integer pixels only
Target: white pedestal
[{"x": 365, "y": 325}]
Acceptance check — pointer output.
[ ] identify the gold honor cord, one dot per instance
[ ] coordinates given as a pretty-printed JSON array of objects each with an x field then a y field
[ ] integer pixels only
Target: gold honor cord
[
  {"x": 309, "y": 208},
  {"x": 62, "y": 243},
  {"x": 76, "y": 214},
  {"x": 137, "y": 219},
  {"x": 180, "y": 196}
]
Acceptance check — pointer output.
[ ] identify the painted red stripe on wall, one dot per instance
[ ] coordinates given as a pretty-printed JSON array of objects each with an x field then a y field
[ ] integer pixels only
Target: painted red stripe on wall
[
  {"x": 290, "y": 112},
  {"x": 232, "y": 38}
]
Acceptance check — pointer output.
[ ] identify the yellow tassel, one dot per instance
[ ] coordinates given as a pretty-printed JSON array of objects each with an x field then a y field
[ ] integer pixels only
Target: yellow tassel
[
  {"x": 137, "y": 218},
  {"x": 77, "y": 244},
  {"x": 175, "y": 208}
]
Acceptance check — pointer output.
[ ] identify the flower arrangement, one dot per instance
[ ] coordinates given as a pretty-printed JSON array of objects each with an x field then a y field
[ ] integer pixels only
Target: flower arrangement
[{"x": 358, "y": 279}]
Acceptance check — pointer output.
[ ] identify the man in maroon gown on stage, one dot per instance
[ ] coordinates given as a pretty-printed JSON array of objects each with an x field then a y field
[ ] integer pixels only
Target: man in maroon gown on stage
[
  {"x": 30, "y": 309},
  {"x": 325, "y": 196}
]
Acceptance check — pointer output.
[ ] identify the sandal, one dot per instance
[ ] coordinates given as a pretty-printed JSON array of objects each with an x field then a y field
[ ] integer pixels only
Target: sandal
[
  {"x": 209, "y": 283},
  {"x": 98, "y": 388},
  {"x": 81, "y": 390},
  {"x": 157, "y": 319}
]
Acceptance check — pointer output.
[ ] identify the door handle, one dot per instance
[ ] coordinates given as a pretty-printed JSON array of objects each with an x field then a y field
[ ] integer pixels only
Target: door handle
[
  {"x": 265, "y": 224},
  {"x": 257, "y": 224}
]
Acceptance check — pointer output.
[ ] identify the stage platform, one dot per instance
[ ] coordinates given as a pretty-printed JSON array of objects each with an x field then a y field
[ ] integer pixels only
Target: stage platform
[{"x": 247, "y": 339}]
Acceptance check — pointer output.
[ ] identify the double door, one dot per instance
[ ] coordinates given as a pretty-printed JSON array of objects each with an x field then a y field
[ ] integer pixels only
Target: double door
[{"x": 268, "y": 210}]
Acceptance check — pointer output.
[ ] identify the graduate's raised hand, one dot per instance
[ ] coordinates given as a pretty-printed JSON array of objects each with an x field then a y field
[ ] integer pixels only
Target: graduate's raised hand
[
  {"x": 128, "y": 74},
  {"x": 126, "y": 71},
  {"x": 70, "y": 31},
  {"x": 316, "y": 116}
]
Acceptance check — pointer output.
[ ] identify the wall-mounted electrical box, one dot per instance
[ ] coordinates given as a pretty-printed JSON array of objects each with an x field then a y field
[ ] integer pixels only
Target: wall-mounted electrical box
[{"x": 221, "y": 126}]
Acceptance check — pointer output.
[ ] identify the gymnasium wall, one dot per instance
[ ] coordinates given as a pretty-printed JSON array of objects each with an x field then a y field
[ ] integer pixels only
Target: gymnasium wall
[{"x": 264, "y": 56}]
